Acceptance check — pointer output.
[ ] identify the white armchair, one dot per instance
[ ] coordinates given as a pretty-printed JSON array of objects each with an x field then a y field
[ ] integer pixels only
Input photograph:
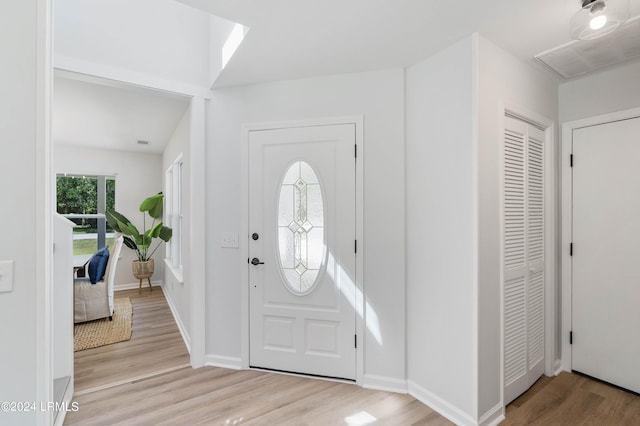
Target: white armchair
[{"x": 95, "y": 301}]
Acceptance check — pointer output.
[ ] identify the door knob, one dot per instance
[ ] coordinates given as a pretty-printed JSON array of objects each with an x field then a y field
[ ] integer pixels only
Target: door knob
[{"x": 256, "y": 261}]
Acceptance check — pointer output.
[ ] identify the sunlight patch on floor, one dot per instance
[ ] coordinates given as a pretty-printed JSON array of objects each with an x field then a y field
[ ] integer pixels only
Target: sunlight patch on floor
[{"x": 361, "y": 418}]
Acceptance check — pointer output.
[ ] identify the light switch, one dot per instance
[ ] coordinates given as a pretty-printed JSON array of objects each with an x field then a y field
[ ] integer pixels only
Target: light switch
[
  {"x": 229, "y": 240},
  {"x": 6, "y": 275}
]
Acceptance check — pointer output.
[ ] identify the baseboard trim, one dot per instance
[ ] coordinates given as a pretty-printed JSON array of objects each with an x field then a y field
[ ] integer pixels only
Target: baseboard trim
[
  {"x": 383, "y": 383},
  {"x": 557, "y": 367},
  {"x": 222, "y": 361},
  {"x": 179, "y": 323},
  {"x": 438, "y": 404},
  {"x": 135, "y": 286},
  {"x": 67, "y": 402},
  {"x": 492, "y": 417}
]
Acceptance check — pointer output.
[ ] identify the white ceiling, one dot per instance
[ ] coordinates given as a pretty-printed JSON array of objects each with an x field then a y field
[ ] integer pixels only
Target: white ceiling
[
  {"x": 301, "y": 38},
  {"x": 96, "y": 113},
  {"x": 291, "y": 39}
]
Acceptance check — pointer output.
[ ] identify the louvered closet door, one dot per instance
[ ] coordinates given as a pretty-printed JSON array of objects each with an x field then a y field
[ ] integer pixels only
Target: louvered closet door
[{"x": 523, "y": 256}]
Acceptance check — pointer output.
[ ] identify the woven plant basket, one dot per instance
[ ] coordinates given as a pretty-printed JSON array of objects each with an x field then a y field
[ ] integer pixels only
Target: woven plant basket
[{"x": 142, "y": 269}]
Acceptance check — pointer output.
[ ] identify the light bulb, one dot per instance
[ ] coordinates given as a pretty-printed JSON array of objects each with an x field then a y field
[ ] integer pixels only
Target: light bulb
[{"x": 598, "y": 22}]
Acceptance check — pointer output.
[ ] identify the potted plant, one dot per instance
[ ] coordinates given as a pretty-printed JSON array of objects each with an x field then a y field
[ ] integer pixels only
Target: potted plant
[{"x": 141, "y": 242}]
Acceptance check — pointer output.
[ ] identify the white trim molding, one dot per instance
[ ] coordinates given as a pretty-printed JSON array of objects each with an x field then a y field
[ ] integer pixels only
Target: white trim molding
[
  {"x": 135, "y": 286},
  {"x": 567, "y": 219},
  {"x": 557, "y": 367},
  {"x": 475, "y": 224},
  {"x": 44, "y": 206},
  {"x": 358, "y": 120},
  {"x": 195, "y": 273},
  {"x": 382, "y": 383},
  {"x": 438, "y": 404},
  {"x": 176, "y": 273},
  {"x": 221, "y": 361},
  {"x": 492, "y": 417},
  {"x": 176, "y": 316},
  {"x": 88, "y": 68}
]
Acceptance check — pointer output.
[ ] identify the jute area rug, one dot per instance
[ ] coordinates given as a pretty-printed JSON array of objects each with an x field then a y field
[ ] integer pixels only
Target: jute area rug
[{"x": 103, "y": 332}]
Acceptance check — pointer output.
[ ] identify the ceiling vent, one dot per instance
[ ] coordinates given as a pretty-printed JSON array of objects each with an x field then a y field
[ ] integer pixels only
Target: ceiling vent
[
  {"x": 583, "y": 56},
  {"x": 141, "y": 142}
]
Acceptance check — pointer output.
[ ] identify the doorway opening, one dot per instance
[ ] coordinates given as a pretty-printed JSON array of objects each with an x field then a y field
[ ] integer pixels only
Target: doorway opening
[{"x": 96, "y": 126}]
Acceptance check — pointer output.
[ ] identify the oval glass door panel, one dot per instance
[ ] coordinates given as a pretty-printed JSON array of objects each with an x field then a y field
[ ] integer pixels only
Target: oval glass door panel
[{"x": 301, "y": 245}]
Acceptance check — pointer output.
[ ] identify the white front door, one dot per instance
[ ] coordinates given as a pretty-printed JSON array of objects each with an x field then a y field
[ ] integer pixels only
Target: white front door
[
  {"x": 302, "y": 250},
  {"x": 606, "y": 252}
]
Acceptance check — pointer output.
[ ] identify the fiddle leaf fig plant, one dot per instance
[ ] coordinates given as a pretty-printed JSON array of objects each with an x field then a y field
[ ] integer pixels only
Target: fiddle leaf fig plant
[{"x": 141, "y": 242}]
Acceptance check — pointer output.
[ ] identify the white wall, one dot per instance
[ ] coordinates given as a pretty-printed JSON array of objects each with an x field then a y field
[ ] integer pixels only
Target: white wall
[
  {"x": 379, "y": 96},
  {"x": 607, "y": 91},
  {"x": 161, "y": 38},
  {"x": 177, "y": 290},
  {"x": 441, "y": 229},
  {"x": 138, "y": 176},
  {"x": 23, "y": 155},
  {"x": 503, "y": 80}
]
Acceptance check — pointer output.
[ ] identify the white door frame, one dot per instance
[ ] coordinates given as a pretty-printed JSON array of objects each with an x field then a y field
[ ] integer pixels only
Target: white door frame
[
  {"x": 358, "y": 120},
  {"x": 196, "y": 263},
  {"x": 44, "y": 213},
  {"x": 567, "y": 219},
  {"x": 197, "y": 240},
  {"x": 550, "y": 320},
  {"x": 45, "y": 203}
]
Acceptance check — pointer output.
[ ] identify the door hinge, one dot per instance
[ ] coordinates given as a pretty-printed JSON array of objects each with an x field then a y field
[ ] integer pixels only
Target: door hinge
[
  {"x": 355, "y": 246},
  {"x": 355, "y": 150},
  {"x": 571, "y": 249},
  {"x": 571, "y": 337},
  {"x": 571, "y": 160},
  {"x": 355, "y": 341}
]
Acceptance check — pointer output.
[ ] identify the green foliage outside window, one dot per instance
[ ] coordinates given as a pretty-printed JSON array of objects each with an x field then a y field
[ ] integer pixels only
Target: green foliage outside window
[{"x": 78, "y": 195}]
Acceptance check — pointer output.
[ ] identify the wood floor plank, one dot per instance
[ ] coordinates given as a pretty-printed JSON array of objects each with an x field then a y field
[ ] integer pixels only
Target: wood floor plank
[
  {"x": 571, "y": 399},
  {"x": 218, "y": 396},
  {"x": 156, "y": 344},
  {"x": 212, "y": 395},
  {"x": 169, "y": 392}
]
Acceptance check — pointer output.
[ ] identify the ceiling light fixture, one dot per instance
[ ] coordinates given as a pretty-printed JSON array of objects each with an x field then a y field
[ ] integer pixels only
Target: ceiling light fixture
[{"x": 598, "y": 17}]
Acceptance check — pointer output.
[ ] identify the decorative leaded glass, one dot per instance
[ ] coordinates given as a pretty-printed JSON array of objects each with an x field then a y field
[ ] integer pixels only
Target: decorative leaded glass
[{"x": 301, "y": 227}]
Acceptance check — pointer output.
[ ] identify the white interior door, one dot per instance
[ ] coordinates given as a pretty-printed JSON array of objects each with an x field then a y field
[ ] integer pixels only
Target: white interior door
[
  {"x": 302, "y": 250},
  {"x": 524, "y": 269},
  {"x": 606, "y": 252}
]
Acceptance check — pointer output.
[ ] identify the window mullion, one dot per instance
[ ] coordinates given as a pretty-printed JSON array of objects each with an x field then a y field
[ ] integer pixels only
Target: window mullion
[{"x": 102, "y": 203}]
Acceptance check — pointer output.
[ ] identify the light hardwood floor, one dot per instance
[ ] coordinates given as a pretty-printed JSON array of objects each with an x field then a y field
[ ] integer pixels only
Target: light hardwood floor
[
  {"x": 147, "y": 381},
  {"x": 212, "y": 396},
  {"x": 571, "y": 399},
  {"x": 155, "y": 345}
]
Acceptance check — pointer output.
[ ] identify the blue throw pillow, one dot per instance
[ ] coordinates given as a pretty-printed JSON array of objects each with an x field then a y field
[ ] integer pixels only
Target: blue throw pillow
[{"x": 98, "y": 265}]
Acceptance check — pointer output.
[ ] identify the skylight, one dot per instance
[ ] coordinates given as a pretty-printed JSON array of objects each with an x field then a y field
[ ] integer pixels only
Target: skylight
[{"x": 233, "y": 41}]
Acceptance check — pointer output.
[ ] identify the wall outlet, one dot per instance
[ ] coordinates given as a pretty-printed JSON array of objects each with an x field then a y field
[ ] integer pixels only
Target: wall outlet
[
  {"x": 6, "y": 275},
  {"x": 229, "y": 240}
]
